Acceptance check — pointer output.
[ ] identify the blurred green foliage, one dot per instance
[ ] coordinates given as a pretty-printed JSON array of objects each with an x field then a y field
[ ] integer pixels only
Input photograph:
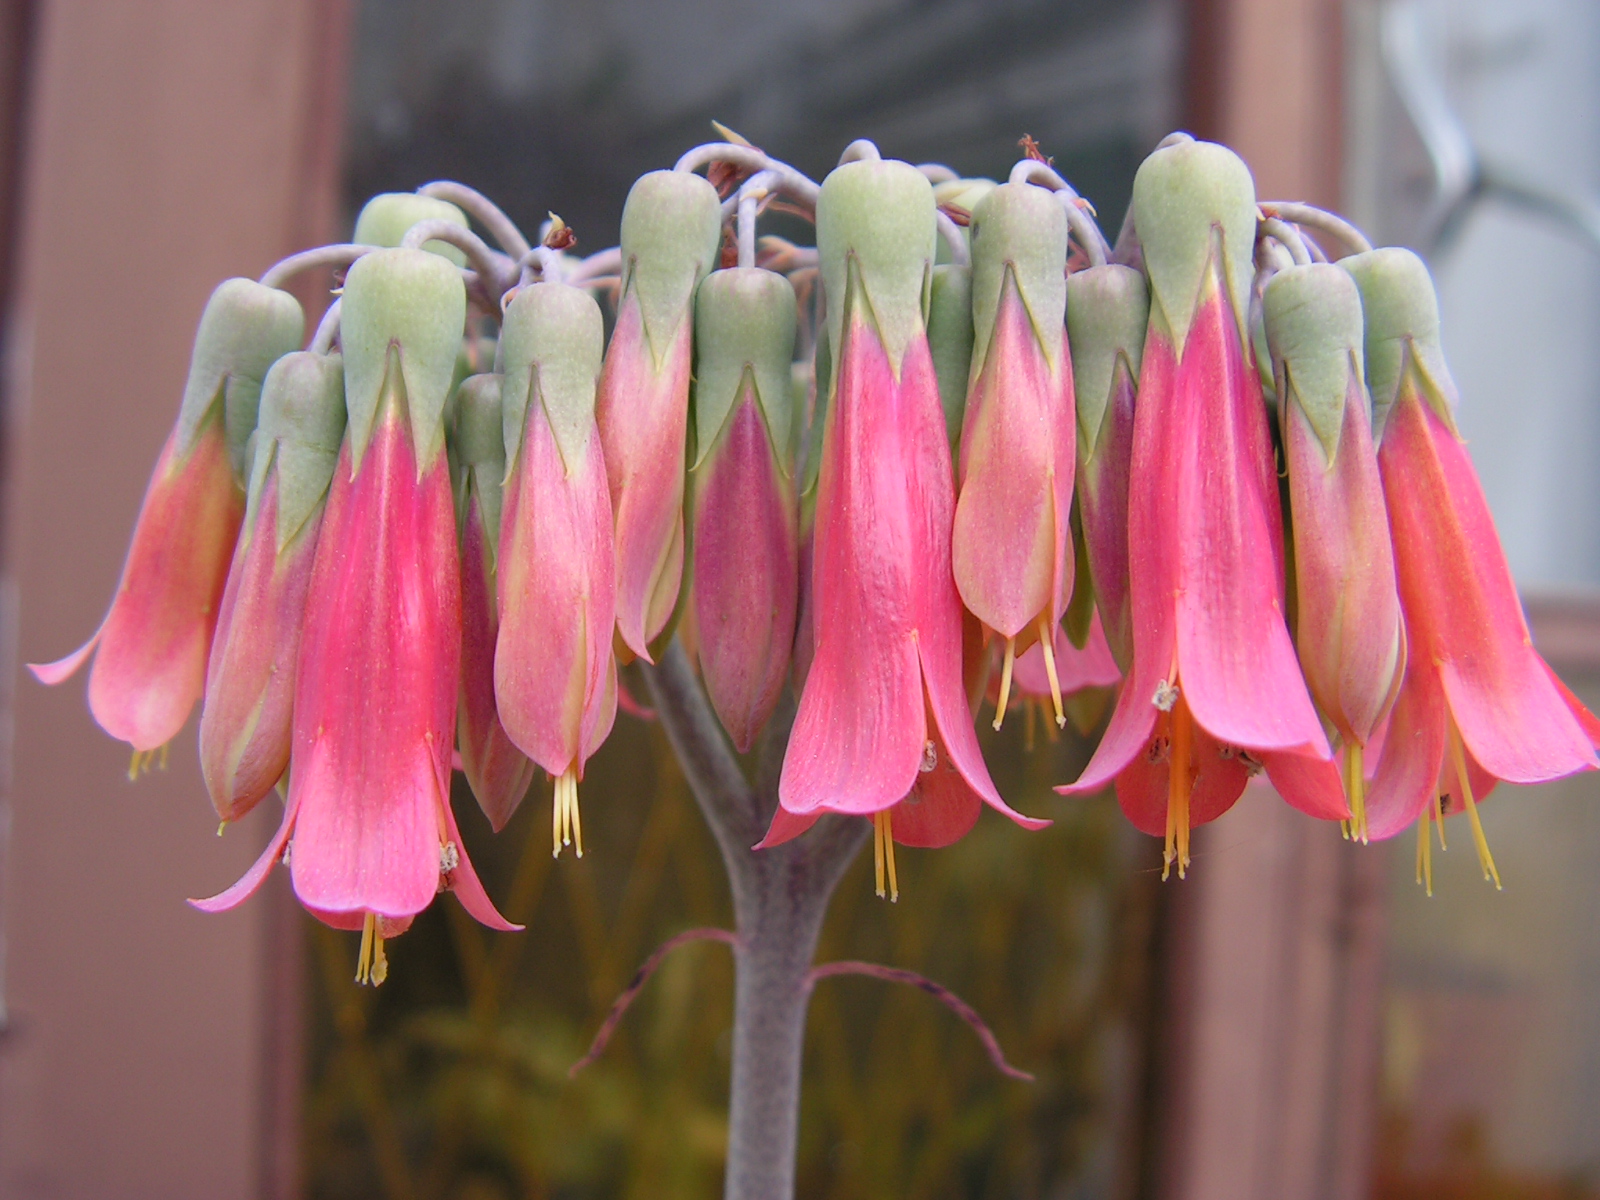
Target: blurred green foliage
[{"x": 450, "y": 1082}]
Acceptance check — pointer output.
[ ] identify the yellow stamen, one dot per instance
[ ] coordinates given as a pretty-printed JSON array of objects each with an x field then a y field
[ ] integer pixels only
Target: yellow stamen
[
  {"x": 1438, "y": 817},
  {"x": 1355, "y": 790},
  {"x": 372, "y": 965},
  {"x": 1178, "y": 785},
  {"x": 555, "y": 821},
  {"x": 133, "y": 767},
  {"x": 164, "y": 746},
  {"x": 566, "y": 827},
  {"x": 1425, "y": 850},
  {"x": 1005, "y": 684},
  {"x": 1047, "y": 646},
  {"x": 883, "y": 854},
  {"x": 1458, "y": 755}
]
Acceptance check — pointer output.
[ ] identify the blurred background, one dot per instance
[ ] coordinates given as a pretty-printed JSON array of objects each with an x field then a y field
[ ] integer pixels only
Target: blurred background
[{"x": 1295, "y": 1020}]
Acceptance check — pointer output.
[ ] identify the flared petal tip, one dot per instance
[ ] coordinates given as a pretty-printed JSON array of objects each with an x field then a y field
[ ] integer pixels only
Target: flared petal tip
[
  {"x": 786, "y": 826},
  {"x": 64, "y": 669}
]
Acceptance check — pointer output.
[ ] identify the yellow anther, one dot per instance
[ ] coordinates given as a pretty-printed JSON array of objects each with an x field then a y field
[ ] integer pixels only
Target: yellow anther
[
  {"x": 883, "y": 855},
  {"x": 372, "y": 965},
  {"x": 1178, "y": 785},
  {"x": 566, "y": 827},
  {"x": 1047, "y": 647},
  {"x": 1005, "y": 682},
  {"x": 1458, "y": 756}
]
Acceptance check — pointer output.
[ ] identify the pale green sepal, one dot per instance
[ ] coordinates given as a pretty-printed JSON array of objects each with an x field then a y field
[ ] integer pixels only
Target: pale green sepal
[
  {"x": 245, "y": 328},
  {"x": 744, "y": 324},
  {"x": 553, "y": 337},
  {"x": 878, "y": 214},
  {"x": 950, "y": 341},
  {"x": 964, "y": 194},
  {"x": 480, "y": 443},
  {"x": 1108, "y": 313},
  {"x": 1312, "y": 315},
  {"x": 671, "y": 237},
  {"x": 1183, "y": 195},
  {"x": 302, "y": 427},
  {"x": 1401, "y": 313},
  {"x": 415, "y": 301},
  {"x": 822, "y": 373},
  {"x": 385, "y": 219},
  {"x": 1023, "y": 228}
]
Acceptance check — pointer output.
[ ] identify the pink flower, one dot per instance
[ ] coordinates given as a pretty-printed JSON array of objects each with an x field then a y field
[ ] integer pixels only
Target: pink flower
[
  {"x": 885, "y": 683},
  {"x": 1214, "y": 691},
  {"x": 555, "y": 678},
  {"x": 150, "y": 667}
]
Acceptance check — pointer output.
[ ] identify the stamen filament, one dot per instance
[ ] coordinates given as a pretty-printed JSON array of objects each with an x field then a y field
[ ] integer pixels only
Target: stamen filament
[
  {"x": 1047, "y": 646},
  {"x": 877, "y": 853},
  {"x": 1355, "y": 790},
  {"x": 1458, "y": 755},
  {"x": 566, "y": 826},
  {"x": 1005, "y": 684},
  {"x": 372, "y": 965},
  {"x": 888, "y": 854},
  {"x": 1178, "y": 786},
  {"x": 1425, "y": 850}
]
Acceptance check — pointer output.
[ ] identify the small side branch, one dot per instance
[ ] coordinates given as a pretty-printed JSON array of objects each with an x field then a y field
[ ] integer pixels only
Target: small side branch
[
  {"x": 942, "y": 994},
  {"x": 641, "y": 977}
]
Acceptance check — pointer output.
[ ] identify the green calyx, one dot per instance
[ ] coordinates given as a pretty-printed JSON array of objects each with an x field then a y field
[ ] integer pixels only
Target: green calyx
[
  {"x": 875, "y": 220},
  {"x": 744, "y": 322},
  {"x": 415, "y": 302},
  {"x": 302, "y": 425},
  {"x": 1020, "y": 229},
  {"x": 1401, "y": 313},
  {"x": 950, "y": 341},
  {"x": 385, "y": 219},
  {"x": 1108, "y": 312},
  {"x": 1313, "y": 321},
  {"x": 245, "y": 328},
  {"x": 671, "y": 236},
  {"x": 552, "y": 338},
  {"x": 1186, "y": 198},
  {"x": 480, "y": 446}
]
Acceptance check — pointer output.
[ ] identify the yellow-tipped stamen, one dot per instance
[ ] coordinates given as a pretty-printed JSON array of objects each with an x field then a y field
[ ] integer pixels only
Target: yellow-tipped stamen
[
  {"x": 572, "y": 808},
  {"x": 133, "y": 767},
  {"x": 372, "y": 965},
  {"x": 222, "y": 827},
  {"x": 888, "y": 854},
  {"x": 877, "y": 854},
  {"x": 1047, "y": 647},
  {"x": 1005, "y": 684},
  {"x": 1458, "y": 755},
  {"x": 1178, "y": 785},
  {"x": 555, "y": 820},
  {"x": 1355, "y": 790},
  {"x": 164, "y": 746},
  {"x": 1344, "y": 829},
  {"x": 566, "y": 827},
  {"x": 1425, "y": 849},
  {"x": 1437, "y": 808}
]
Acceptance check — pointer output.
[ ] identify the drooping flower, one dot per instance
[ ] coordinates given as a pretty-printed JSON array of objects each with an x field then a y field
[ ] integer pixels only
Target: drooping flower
[
  {"x": 374, "y": 837},
  {"x": 1012, "y": 543},
  {"x": 671, "y": 231},
  {"x": 245, "y": 723},
  {"x": 385, "y": 218},
  {"x": 1108, "y": 311},
  {"x": 1214, "y": 691},
  {"x": 746, "y": 541},
  {"x": 555, "y": 676},
  {"x": 1478, "y": 703},
  {"x": 884, "y": 694},
  {"x": 496, "y": 770},
  {"x": 1347, "y": 630},
  {"x": 150, "y": 651}
]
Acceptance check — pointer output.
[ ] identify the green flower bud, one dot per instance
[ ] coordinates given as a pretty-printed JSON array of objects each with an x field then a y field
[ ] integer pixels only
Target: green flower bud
[
  {"x": 671, "y": 237},
  {"x": 414, "y": 302},
  {"x": 744, "y": 328},
  {"x": 1401, "y": 313},
  {"x": 552, "y": 337},
  {"x": 950, "y": 341},
  {"x": 245, "y": 328},
  {"x": 385, "y": 219},
  {"x": 480, "y": 444},
  {"x": 1108, "y": 311},
  {"x": 1313, "y": 321},
  {"x": 1020, "y": 228},
  {"x": 302, "y": 426}
]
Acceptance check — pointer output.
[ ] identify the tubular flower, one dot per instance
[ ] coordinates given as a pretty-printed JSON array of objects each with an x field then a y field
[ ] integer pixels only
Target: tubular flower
[
  {"x": 746, "y": 542},
  {"x": 246, "y": 722},
  {"x": 498, "y": 773},
  {"x": 884, "y": 700},
  {"x": 1478, "y": 703},
  {"x": 1348, "y": 630},
  {"x": 151, "y": 662},
  {"x": 671, "y": 231},
  {"x": 374, "y": 838},
  {"x": 555, "y": 677},
  {"x": 1108, "y": 310},
  {"x": 1012, "y": 541},
  {"x": 1214, "y": 691}
]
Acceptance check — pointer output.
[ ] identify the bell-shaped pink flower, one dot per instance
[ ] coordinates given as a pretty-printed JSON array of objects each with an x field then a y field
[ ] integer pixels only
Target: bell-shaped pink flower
[
  {"x": 1108, "y": 311},
  {"x": 373, "y": 835},
  {"x": 555, "y": 677},
  {"x": 150, "y": 651},
  {"x": 1478, "y": 703},
  {"x": 885, "y": 681},
  {"x": 1214, "y": 682},
  {"x": 1348, "y": 630},
  {"x": 246, "y": 722},
  {"x": 746, "y": 540},
  {"x": 497, "y": 771},
  {"x": 671, "y": 231},
  {"x": 1012, "y": 542}
]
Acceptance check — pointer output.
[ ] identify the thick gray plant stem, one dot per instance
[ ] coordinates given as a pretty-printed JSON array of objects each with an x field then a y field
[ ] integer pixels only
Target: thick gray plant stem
[{"x": 780, "y": 897}]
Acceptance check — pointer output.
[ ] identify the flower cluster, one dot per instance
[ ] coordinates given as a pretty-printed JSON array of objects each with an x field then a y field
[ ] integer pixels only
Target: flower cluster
[{"x": 963, "y": 449}]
